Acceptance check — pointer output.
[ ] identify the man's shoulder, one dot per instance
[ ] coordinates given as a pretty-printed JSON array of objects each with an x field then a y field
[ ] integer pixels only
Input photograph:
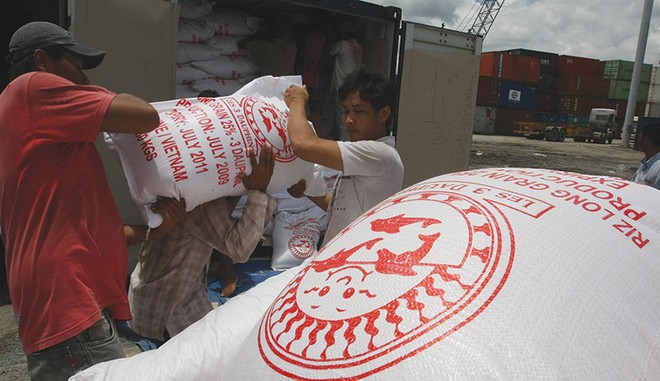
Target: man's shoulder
[
  {"x": 42, "y": 78},
  {"x": 654, "y": 162}
]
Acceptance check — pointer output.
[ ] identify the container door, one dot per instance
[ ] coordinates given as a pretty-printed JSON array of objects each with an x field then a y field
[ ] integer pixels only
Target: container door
[
  {"x": 439, "y": 71},
  {"x": 139, "y": 38}
]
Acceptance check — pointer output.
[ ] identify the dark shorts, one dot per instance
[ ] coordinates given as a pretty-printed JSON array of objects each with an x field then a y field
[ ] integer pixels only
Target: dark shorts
[{"x": 96, "y": 344}]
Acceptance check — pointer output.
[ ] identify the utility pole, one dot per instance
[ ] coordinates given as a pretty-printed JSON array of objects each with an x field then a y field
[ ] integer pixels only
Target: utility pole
[{"x": 637, "y": 72}]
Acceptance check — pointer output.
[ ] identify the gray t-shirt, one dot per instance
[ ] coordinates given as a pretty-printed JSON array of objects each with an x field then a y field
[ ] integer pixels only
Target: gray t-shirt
[{"x": 373, "y": 171}]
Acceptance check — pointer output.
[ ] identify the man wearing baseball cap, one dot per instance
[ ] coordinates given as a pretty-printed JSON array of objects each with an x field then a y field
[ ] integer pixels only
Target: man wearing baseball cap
[{"x": 66, "y": 246}]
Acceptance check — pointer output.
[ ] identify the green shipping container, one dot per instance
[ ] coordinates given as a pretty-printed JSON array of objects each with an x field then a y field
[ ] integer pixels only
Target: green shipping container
[
  {"x": 619, "y": 90},
  {"x": 623, "y": 70},
  {"x": 577, "y": 119}
]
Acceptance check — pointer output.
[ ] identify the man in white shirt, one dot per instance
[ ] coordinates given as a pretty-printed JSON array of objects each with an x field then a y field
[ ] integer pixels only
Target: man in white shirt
[
  {"x": 649, "y": 170},
  {"x": 371, "y": 167}
]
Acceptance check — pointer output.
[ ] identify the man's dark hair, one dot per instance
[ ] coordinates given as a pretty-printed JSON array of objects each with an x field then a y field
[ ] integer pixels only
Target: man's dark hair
[
  {"x": 373, "y": 88},
  {"x": 208, "y": 93},
  {"x": 652, "y": 132},
  {"x": 26, "y": 64}
]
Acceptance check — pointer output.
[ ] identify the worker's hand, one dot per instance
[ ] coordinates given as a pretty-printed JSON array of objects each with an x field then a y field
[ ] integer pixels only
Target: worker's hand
[
  {"x": 295, "y": 94},
  {"x": 262, "y": 171},
  {"x": 297, "y": 190},
  {"x": 172, "y": 210}
]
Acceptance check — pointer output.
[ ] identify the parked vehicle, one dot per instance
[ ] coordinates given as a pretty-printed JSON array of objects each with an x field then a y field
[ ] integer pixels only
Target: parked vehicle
[{"x": 599, "y": 128}]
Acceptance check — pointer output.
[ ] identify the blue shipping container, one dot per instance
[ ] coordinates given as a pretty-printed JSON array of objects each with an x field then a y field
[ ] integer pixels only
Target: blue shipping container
[
  {"x": 517, "y": 95},
  {"x": 549, "y": 117}
]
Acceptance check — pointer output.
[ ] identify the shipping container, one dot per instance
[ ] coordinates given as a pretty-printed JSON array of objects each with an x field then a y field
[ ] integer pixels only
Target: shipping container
[
  {"x": 652, "y": 110},
  {"x": 546, "y": 83},
  {"x": 508, "y": 67},
  {"x": 654, "y": 87},
  {"x": 577, "y": 119},
  {"x": 435, "y": 69},
  {"x": 655, "y": 76},
  {"x": 623, "y": 71},
  {"x": 620, "y": 90},
  {"x": 517, "y": 95},
  {"x": 582, "y": 85},
  {"x": 572, "y": 65},
  {"x": 621, "y": 105},
  {"x": 505, "y": 119},
  {"x": 550, "y": 117},
  {"x": 488, "y": 91},
  {"x": 577, "y": 104},
  {"x": 548, "y": 61},
  {"x": 484, "y": 120},
  {"x": 544, "y": 102},
  {"x": 653, "y": 94}
]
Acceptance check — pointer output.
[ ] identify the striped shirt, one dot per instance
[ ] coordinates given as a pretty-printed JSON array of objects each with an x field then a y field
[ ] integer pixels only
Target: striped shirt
[{"x": 168, "y": 286}]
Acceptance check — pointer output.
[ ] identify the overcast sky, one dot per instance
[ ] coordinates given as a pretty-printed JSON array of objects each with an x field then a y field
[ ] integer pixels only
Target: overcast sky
[{"x": 601, "y": 29}]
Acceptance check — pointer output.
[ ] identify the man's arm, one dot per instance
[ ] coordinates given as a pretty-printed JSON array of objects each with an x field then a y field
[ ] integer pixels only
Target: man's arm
[
  {"x": 321, "y": 201},
  {"x": 130, "y": 114},
  {"x": 304, "y": 141},
  {"x": 237, "y": 238},
  {"x": 172, "y": 211},
  {"x": 298, "y": 189}
]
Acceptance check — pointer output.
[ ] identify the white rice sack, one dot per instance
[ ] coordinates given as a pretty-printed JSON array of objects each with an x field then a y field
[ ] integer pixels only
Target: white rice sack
[
  {"x": 188, "y": 52},
  {"x": 195, "y": 9},
  {"x": 187, "y": 73},
  {"x": 227, "y": 45},
  {"x": 201, "y": 146},
  {"x": 493, "y": 274},
  {"x": 201, "y": 350},
  {"x": 228, "y": 67},
  {"x": 234, "y": 22},
  {"x": 194, "y": 31},
  {"x": 296, "y": 236}
]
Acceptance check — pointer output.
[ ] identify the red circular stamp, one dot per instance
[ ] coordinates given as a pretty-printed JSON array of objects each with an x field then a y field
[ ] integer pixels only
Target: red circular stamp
[
  {"x": 400, "y": 279},
  {"x": 305, "y": 237},
  {"x": 268, "y": 125}
]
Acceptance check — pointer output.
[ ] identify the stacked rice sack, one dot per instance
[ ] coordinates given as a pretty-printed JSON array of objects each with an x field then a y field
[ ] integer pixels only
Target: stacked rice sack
[
  {"x": 499, "y": 273},
  {"x": 208, "y": 56},
  {"x": 299, "y": 224}
]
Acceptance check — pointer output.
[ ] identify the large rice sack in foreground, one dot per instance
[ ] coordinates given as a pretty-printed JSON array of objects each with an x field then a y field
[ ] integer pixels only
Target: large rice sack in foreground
[
  {"x": 202, "y": 349},
  {"x": 503, "y": 273},
  {"x": 201, "y": 146},
  {"x": 491, "y": 274}
]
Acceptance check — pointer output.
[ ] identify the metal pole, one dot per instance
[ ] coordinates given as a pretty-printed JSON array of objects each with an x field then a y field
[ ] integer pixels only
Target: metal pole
[{"x": 637, "y": 72}]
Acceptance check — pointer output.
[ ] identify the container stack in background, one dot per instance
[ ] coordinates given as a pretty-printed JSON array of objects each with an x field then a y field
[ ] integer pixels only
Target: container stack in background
[
  {"x": 526, "y": 85},
  {"x": 619, "y": 74},
  {"x": 580, "y": 86},
  {"x": 507, "y": 91},
  {"x": 653, "y": 99}
]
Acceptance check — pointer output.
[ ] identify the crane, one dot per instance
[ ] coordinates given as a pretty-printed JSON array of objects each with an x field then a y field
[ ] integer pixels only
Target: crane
[{"x": 485, "y": 16}]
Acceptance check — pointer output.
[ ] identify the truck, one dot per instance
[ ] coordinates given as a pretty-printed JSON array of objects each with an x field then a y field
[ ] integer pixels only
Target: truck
[{"x": 599, "y": 128}]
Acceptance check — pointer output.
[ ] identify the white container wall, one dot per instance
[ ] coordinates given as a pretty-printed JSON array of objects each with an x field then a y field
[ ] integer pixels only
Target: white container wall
[{"x": 484, "y": 120}]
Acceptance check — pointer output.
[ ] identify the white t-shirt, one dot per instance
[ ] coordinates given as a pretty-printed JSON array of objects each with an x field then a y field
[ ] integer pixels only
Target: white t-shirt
[{"x": 373, "y": 171}]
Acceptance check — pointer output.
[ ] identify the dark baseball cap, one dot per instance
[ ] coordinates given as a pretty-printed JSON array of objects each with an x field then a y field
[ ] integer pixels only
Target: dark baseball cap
[{"x": 41, "y": 34}]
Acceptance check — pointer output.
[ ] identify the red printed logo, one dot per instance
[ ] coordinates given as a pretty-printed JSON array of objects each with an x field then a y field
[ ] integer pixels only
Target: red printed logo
[
  {"x": 268, "y": 124},
  {"x": 400, "y": 279},
  {"x": 305, "y": 237}
]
